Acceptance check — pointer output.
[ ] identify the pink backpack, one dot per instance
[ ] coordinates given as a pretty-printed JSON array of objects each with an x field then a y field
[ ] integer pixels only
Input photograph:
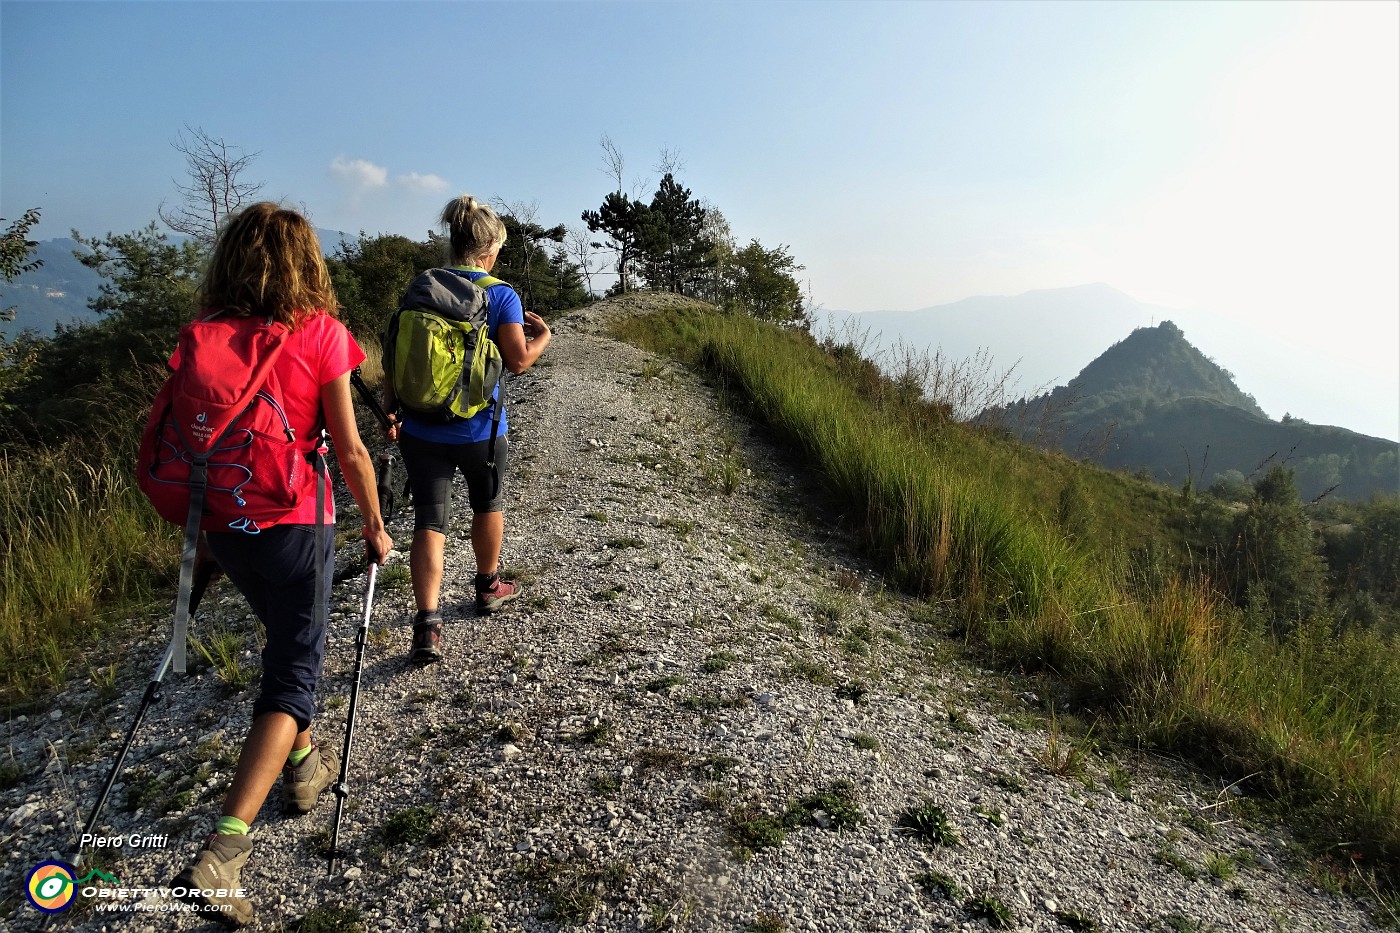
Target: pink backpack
[{"x": 217, "y": 451}]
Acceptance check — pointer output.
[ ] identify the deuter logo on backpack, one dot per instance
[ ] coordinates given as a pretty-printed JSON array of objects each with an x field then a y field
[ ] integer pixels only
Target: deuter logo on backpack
[
  {"x": 218, "y": 426},
  {"x": 200, "y": 430},
  {"x": 437, "y": 351}
]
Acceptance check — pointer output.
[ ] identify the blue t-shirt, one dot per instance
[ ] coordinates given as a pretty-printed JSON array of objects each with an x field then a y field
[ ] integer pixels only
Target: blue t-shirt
[{"x": 503, "y": 308}]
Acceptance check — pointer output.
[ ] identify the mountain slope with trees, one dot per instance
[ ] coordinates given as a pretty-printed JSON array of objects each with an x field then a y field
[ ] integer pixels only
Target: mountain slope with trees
[{"x": 1154, "y": 402}]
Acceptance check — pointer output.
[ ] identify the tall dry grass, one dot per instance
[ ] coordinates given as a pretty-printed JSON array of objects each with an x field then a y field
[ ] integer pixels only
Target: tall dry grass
[{"x": 76, "y": 537}]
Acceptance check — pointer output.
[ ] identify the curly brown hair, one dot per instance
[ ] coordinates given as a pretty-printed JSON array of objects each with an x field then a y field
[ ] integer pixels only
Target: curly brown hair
[{"x": 267, "y": 262}]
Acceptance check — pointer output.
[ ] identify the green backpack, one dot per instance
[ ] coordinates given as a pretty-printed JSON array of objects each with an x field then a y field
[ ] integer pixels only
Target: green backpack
[{"x": 437, "y": 354}]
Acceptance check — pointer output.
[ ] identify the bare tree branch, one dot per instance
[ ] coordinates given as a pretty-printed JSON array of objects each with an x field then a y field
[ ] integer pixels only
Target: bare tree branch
[
  {"x": 581, "y": 250},
  {"x": 214, "y": 190},
  {"x": 669, "y": 162},
  {"x": 613, "y": 164}
]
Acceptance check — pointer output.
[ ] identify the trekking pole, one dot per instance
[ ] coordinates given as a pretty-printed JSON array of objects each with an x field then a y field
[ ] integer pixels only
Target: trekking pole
[
  {"x": 341, "y": 788},
  {"x": 358, "y": 382},
  {"x": 342, "y": 785},
  {"x": 361, "y": 387},
  {"x": 203, "y": 576},
  {"x": 385, "y": 487}
]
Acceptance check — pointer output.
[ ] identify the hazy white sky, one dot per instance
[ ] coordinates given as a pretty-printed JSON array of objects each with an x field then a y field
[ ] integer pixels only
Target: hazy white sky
[{"x": 1242, "y": 158}]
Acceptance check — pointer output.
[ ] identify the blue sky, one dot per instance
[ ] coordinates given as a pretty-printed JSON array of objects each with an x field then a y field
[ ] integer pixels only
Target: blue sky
[{"x": 1240, "y": 158}]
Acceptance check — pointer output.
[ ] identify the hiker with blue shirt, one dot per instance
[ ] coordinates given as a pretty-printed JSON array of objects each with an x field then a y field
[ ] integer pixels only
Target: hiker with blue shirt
[{"x": 434, "y": 449}]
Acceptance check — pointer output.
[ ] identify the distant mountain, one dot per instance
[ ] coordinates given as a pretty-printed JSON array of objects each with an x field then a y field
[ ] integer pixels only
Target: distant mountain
[
  {"x": 1154, "y": 364},
  {"x": 59, "y": 290},
  {"x": 1049, "y": 335},
  {"x": 56, "y": 293},
  {"x": 1153, "y": 401}
]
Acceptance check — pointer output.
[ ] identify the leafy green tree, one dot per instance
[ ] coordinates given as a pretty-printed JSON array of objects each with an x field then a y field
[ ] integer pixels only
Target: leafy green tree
[
  {"x": 15, "y": 247},
  {"x": 371, "y": 273},
  {"x": 1273, "y": 563},
  {"x": 1378, "y": 569},
  {"x": 675, "y": 250},
  {"x": 82, "y": 379},
  {"x": 1231, "y": 486},
  {"x": 763, "y": 284},
  {"x": 714, "y": 283},
  {"x": 18, "y": 356}
]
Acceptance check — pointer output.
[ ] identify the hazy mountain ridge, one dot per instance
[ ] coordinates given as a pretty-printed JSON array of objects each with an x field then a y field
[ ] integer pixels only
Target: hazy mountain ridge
[
  {"x": 1153, "y": 401},
  {"x": 1047, "y": 336},
  {"x": 56, "y": 293}
]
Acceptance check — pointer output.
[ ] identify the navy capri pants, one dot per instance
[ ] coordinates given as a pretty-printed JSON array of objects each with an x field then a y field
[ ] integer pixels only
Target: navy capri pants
[{"x": 275, "y": 570}]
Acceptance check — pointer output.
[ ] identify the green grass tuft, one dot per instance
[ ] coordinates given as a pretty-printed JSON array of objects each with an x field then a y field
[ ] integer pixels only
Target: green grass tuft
[{"x": 929, "y": 822}]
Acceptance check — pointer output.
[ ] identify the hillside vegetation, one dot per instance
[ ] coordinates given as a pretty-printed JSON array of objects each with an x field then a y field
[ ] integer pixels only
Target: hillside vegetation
[{"x": 1067, "y": 571}]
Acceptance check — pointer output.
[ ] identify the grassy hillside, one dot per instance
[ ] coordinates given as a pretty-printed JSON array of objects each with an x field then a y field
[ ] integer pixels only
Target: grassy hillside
[{"x": 1069, "y": 571}]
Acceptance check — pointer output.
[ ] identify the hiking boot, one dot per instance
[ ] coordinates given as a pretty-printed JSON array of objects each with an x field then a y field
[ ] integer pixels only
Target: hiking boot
[
  {"x": 427, "y": 638},
  {"x": 492, "y": 592},
  {"x": 213, "y": 878},
  {"x": 303, "y": 783}
]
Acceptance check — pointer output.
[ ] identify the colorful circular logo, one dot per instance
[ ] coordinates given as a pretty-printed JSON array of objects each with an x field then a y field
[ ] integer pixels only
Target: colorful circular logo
[{"x": 50, "y": 887}]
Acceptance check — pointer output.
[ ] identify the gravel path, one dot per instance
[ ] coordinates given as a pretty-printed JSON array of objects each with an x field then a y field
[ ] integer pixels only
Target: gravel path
[{"x": 699, "y": 654}]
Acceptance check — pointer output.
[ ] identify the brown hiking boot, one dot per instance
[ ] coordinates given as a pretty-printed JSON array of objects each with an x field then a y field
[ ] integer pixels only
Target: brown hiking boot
[
  {"x": 302, "y": 784},
  {"x": 492, "y": 592},
  {"x": 427, "y": 638},
  {"x": 213, "y": 879}
]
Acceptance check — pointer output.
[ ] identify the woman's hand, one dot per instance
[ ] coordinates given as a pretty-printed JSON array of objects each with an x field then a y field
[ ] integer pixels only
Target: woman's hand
[
  {"x": 392, "y": 431},
  {"x": 378, "y": 544},
  {"x": 535, "y": 327}
]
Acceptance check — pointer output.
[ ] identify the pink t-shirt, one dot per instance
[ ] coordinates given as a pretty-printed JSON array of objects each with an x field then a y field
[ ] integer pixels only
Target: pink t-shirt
[{"x": 318, "y": 352}]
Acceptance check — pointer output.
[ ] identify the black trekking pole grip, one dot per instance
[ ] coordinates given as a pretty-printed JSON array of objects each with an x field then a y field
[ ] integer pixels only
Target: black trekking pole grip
[
  {"x": 341, "y": 788},
  {"x": 358, "y": 382}
]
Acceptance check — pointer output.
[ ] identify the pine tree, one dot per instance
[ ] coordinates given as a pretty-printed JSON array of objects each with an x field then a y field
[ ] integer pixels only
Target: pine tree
[
  {"x": 675, "y": 249},
  {"x": 623, "y": 221}
]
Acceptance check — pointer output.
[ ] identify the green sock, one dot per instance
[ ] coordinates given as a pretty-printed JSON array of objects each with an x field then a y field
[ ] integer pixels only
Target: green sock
[
  {"x": 231, "y": 826},
  {"x": 298, "y": 755}
]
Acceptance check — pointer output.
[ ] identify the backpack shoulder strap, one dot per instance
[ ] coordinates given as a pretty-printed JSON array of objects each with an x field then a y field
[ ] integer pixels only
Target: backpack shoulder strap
[{"x": 486, "y": 281}]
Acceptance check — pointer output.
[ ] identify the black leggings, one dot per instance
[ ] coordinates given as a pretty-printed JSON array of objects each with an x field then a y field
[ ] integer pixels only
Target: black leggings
[{"x": 431, "y": 467}]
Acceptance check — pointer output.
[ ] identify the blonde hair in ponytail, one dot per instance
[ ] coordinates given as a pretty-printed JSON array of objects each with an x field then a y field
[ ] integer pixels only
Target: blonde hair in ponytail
[{"x": 472, "y": 229}]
